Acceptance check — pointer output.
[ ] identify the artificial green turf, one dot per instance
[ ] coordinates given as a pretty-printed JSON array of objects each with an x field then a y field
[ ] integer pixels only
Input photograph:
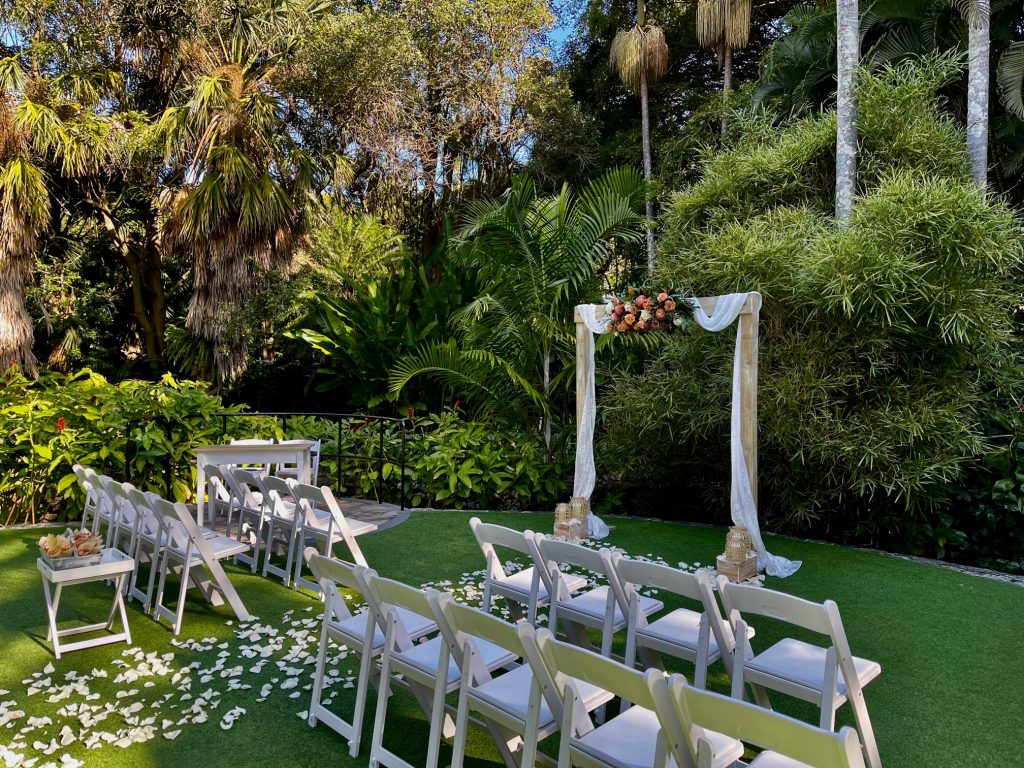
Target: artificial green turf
[{"x": 949, "y": 645}]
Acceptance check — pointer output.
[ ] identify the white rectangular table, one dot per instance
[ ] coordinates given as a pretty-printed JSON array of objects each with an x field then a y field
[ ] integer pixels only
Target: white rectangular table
[
  {"x": 114, "y": 565},
  {"x": 297, "y": 453}
]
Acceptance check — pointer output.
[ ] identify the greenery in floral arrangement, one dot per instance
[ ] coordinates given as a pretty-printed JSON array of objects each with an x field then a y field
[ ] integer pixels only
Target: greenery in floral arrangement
[
  {"x": 137, "y": 431},
  {"x": 880, "y": 343}
]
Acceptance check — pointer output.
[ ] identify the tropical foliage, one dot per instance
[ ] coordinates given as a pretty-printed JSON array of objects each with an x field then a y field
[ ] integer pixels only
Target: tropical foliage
[
  {"x": 880, "y": 343},
  {"x": 143, "y": 432},
  {"x": 536, "y": 256}
]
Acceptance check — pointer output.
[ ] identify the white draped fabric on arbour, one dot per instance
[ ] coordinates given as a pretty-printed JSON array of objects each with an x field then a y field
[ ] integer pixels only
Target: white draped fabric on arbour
[{"x": 725, "y": 310}]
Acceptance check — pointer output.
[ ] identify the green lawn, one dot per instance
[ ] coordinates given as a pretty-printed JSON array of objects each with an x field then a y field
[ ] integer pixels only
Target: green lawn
[{"x": 949, "y": 646}]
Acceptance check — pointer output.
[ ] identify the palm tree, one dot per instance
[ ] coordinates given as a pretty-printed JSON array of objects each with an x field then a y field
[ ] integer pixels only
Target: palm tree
[
  {"x": 847, "y": 59},
  {"x": 246, "y": 181},
  {"x": 978, "y": 15},
  {"x": 24, "y": 213},
  {"x": 640, "y": 56},
  {"x": 48, "y": 127},
  {"x": 536, "y": 257},
  {"x": 724, "y": 25}
]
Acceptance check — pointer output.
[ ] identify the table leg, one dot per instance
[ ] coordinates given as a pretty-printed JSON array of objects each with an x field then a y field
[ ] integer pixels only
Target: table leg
[
  {"x": 200, "y": 488},
  {"x": 52, "y": 600},
  {"x": 305, "y": 477}
]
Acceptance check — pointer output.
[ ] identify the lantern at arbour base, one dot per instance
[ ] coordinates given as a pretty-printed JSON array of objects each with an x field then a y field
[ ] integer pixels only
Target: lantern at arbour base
[{"x": 738, "y": 563}]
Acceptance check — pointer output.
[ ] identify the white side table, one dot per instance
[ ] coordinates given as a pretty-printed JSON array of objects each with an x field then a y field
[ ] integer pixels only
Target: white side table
[{"x": 114, "y": 565}]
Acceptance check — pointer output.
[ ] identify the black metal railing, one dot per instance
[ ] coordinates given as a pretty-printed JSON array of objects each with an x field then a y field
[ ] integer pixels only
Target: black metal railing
[{"x": 341, "y": 421}]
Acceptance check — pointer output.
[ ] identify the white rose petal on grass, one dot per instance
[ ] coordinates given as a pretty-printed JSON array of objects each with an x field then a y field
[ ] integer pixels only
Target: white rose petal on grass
[{"x": 171, "y": 735}]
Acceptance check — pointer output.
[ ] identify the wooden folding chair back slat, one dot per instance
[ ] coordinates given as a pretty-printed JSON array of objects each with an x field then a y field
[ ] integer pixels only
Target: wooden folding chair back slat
[{"x": 701, "y": 711}]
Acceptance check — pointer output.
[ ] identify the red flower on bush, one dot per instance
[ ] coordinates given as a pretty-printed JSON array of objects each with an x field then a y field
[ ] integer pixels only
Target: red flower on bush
[
  {"x": 60, "y": 424},
  {"x": 409, "y": 412}
]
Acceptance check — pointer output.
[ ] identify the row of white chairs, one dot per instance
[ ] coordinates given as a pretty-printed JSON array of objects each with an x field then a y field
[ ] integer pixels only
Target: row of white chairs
[
  {"x": 278, "y": 513},
  {"x": 699, "y": 632},
  {"x": 152, "y": 530},
  {"x": 521, "y": 684}
]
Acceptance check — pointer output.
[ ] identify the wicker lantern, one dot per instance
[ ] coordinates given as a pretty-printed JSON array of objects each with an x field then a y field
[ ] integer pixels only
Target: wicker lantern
[{"x": 738, "y": 563}]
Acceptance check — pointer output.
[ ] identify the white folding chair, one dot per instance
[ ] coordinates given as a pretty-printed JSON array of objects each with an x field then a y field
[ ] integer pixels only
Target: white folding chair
[
  {"x": 636, "y": 738},
  {"x": 788, "y": 743},
  {"x": 121, "y": 529},
  {"x": 521, "y": 702},
  {"x": 700, "y": 636},
  {"x": 292, "y": 471},
  {"x": 253, "y": 511},
  {"x": 321, "y": 523},
  {"x": 827, "y": 677},
  {"x": 427, "y": 668},
  {"x": 359, "y": 632},
  {"x": 90, "y": 509},
  {"x": 218, "y": 496},
  {"x": 522, "y": 587},
  {"x": 189, "y": 553},
  {"x": 282, "y": 521},
  {"x": 149, "y": 541},
  {"x": 603, "y": 608}
]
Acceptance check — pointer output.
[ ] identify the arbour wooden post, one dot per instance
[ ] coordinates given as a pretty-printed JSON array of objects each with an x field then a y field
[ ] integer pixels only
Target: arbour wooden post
[
  {"x": 747, "y": 331},
  {"x": 581, "y": 367}
]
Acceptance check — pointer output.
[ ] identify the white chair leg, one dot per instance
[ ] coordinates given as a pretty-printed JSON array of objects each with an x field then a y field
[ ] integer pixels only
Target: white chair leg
[
  {"x": 362, "y": 689},
  {"x": 437, "y": 716},
  {"x": 179, "y": 613},
  {"x": 318, "y": 671},
  {"x": 383, "y": 692},
  {"x": 461, "y": 724},
  {"x": 867, "y": 732}
]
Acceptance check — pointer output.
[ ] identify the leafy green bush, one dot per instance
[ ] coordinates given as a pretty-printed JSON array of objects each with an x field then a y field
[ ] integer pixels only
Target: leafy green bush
[
  {"x": 878, "y": 342},
  {"x": 450, "y": 462},
  {"x": 138, "y": 431}
]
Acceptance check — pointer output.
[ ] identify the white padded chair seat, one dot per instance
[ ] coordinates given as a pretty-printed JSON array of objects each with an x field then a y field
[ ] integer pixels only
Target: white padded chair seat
[
  {"x": 221, "y": 547},
  {"x": 805, "y": 664},
  {"x": 511, "y": 691},
  {"x": 521, "y": 582},
  {"x": 323, "y": 521},
  {"x": 355, "y": 626},
  {"x": 424, "y": 657},
  {"x": 680, "y": 627},
  {"x": 627, "y": 740},
  {"x": 594, "y": 602},
  {"x": 775, "y": 760}
]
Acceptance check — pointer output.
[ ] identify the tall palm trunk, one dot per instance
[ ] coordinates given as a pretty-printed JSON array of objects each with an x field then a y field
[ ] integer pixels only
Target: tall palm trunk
[
  {"x": 645, "y": 119},
  {"x": 15, "y": 323},
  {"x": 977, "y": 89},
  {"x": 726, "y": 82},
  {"x": 847, "y": 59},
  {"x": 645, "y": 129}
]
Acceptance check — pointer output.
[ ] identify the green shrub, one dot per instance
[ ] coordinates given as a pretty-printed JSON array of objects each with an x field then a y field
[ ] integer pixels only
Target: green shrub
[
  {"x": 138, "y": 431},
  {"x": 450, "y": 462},
  {"x": 878, "y": 342}
]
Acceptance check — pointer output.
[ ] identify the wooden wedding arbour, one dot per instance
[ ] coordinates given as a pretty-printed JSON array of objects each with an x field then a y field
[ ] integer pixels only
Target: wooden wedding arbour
[{"x": 594, "y": 318}]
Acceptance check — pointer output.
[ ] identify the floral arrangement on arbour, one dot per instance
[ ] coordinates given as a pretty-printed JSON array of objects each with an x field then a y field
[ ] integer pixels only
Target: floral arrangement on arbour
[{"x": 639, "y": 311}]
